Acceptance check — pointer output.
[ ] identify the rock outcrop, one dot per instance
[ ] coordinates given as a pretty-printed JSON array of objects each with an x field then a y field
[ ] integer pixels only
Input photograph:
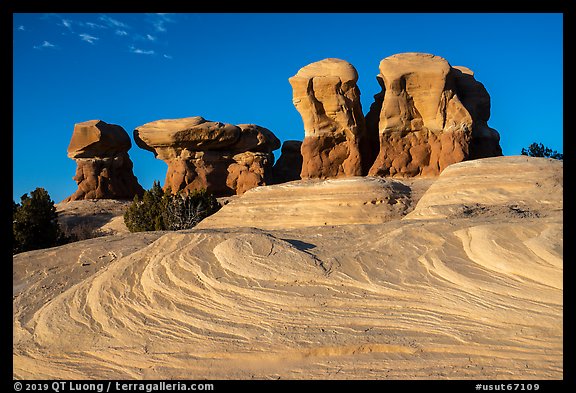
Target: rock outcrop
[
  {"x": 430, "y": 115},
  {"x": 93, "y": 217},
  {"x": 485, "y": 140},
  {"x": 289, "y": 165},
  {"x": 225, "y": 159},
  {"x": 104, "y": 169},
  {"x": 314, "y": 202},
  {"x": 473, "y": 298},
  {"x": 506, "y": 187},
  {"x": 326, "y": 96}
]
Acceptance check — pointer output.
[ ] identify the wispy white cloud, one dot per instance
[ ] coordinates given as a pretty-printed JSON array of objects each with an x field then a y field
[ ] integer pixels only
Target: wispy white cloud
[
  {"x": 45, "y": 44},
  {"x": 71, "y": 23},
  {"x": 95, "y": 25},
  {"x": 159, "y": 26},
  {"x": 168, "y": 57},
  {"x": 160, "y": 20},
  {"x": 67, "y": 24},
  {"x": 141, "y": 51},
  {"x": 150, "y": 37},
  {"x": 88, "y": 38},
  {"x": 21, "y": 28},
  {"x": 121, "y": 32},
  {"x": 112, "y": 22}
]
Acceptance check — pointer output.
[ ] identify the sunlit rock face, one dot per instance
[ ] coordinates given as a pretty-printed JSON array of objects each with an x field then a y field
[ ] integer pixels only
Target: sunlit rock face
[
  {"x": 429, "y": 115},
  {"x": 223, "y": 158},
  {"x": 104, "y": 169},
  {"x": 327, "y": 97}
]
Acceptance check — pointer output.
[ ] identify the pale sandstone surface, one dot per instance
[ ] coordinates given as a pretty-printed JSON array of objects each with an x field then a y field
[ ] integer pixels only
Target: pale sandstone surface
[
  {"x": 314, "y": 202},
  {"x": 528, "y": 186},
  {"x": 478, "y": 296},
  {"x": 418, "y": 94},
  {"x": 101, "y": 216}
]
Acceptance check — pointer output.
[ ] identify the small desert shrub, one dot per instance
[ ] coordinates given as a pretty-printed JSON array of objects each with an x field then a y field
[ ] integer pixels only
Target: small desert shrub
[
  {"x": 539, "y": 150},
  {"x": 35, "y": 223},
  {"x": 186, "y": 211},
  {"x": 159, "y": 210}
]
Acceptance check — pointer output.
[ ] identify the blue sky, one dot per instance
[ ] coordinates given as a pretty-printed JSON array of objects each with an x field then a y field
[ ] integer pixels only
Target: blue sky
[{"x": 130, "y": 69}]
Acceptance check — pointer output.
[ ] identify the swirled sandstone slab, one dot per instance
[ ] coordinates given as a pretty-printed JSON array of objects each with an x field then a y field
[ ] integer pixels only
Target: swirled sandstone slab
[
  {"x": 305, "y": 203},
  {"x": 475, "y": 297},
  {"x": 470, "y": 299},
  {"x": 511, "y": 186}
]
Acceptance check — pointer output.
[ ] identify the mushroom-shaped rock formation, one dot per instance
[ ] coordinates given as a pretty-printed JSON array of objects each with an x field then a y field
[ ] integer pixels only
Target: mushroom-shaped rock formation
[
  {"x": 104, "y": 169},
  {"x": 326, "y": 96},
  {"x": 428, "y": 115},
  {"x": 223, "y": 158}
]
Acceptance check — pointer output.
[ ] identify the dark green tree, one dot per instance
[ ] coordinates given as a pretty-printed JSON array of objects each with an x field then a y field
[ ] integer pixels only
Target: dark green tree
[
  {"x": 35, "y": 222},
  {"x": 146, "y": 214},
  {"x": 539, "y": 150}
]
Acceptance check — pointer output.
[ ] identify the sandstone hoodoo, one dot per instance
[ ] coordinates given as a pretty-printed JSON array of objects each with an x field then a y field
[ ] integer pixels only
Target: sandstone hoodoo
[
  {"x": 289, "y": 165},
  {"x": 485, "y": 140},
  {"x": 326, "y": 95},
  {"x": 225, "y": 159},
  {"x": 429, "y": 115},
  {"x": 104, "y": 169}
]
